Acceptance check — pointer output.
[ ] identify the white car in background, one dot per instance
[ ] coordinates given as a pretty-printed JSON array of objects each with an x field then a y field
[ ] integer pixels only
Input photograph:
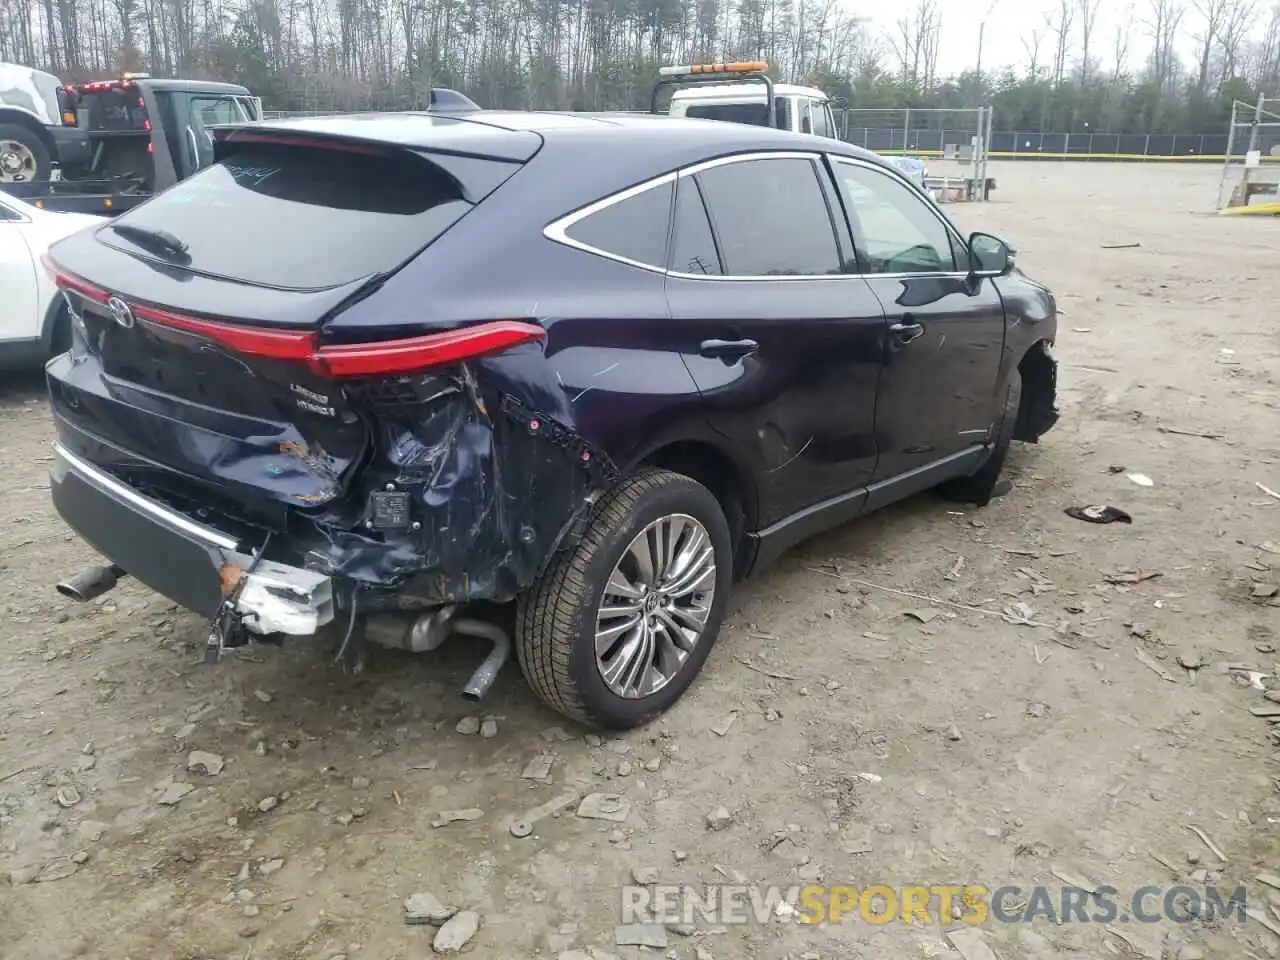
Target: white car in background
[
  {"x": 913, "y": 168},
  {"x": 34, "y": 322}
]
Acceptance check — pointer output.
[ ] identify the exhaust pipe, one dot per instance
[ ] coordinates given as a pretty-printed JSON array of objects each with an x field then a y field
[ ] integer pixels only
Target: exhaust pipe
[
  {"x": 487, "y": 672},
  {"x": 91, "y": 582}
]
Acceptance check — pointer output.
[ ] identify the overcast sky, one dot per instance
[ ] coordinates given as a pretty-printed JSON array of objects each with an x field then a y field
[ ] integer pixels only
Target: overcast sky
[{"x": 1011, "y": 21}]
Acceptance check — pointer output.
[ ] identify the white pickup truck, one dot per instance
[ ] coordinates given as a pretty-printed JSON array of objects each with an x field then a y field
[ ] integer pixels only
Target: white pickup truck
[
  {"x": 33, "y": 319},
  {"x": 732, "y": 92}
]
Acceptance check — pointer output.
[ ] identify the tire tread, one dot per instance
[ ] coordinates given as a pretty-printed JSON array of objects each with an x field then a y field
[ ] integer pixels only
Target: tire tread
[{"x": 549, "y": 613}]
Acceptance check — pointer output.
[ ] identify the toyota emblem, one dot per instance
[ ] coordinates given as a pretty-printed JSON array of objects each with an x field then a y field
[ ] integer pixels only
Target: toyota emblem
[{"x": 120, "y": 312}]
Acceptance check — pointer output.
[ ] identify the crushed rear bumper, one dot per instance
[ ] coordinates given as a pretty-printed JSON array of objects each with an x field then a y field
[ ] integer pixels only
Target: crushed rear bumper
[{"x": 190, "y": 563}]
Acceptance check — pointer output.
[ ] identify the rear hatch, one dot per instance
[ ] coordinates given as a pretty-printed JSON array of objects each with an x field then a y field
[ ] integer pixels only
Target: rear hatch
[{"x": 201, "y": 352}]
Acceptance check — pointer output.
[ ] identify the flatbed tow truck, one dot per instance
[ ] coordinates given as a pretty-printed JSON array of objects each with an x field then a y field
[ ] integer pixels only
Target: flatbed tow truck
[
  {"x": 784, "y": 106},
  {"x": 144, "y": 135}
]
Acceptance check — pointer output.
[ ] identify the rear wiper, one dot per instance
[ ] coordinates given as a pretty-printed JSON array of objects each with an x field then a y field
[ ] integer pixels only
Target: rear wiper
[{"x": 161, "y": 241}]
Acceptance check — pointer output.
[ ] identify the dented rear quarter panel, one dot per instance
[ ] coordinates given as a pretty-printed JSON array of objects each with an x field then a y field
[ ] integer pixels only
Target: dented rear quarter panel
[{"x": 559, "y": 421}]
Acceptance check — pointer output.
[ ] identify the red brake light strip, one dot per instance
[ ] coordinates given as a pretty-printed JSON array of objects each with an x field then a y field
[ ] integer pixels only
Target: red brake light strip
[
  {"x": 285, "y": 140},
  {"x": 379, "y": 359}
]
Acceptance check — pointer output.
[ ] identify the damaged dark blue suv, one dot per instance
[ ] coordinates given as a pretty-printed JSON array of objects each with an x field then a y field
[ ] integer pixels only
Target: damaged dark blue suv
[{"x": 393, "y": 372}]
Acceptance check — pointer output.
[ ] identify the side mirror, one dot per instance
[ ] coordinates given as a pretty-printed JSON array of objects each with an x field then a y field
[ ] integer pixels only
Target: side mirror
[{"x": 989, "y": 256}]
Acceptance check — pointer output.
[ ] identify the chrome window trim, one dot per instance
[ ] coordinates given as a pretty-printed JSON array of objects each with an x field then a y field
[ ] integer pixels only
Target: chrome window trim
[{"x": 558, "y": 229}]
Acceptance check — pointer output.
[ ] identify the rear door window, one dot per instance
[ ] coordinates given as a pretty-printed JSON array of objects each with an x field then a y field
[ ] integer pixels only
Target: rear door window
[
  {"x": 770, "y": 218},
  {"x": 693, "y": 247},
  {"x": 303, "y": 217},
  {"x": 634, "y": 228}
]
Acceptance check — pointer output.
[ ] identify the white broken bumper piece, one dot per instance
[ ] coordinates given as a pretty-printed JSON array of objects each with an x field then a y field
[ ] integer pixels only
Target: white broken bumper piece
[{"x": 276, "y": 598}]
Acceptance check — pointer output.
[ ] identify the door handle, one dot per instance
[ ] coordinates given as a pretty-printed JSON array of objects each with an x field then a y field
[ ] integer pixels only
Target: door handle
[
  {"x": 728, "y": 350},
  {"x": 906, "y": 332}
]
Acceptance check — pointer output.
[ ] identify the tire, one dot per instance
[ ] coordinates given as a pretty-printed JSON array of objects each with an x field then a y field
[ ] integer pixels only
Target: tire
[
  {"x": 979, "y": 488},
  {"x": 557, "y": 617},
  {"x": 23, "y": 155}
]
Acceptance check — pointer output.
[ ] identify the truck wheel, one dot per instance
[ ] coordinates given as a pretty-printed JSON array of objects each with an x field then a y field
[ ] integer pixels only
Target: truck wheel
[
  {"x": 619, "y": 625},
  {"x": 23, "y": 157},
  {"x": 980, "y": 488}
]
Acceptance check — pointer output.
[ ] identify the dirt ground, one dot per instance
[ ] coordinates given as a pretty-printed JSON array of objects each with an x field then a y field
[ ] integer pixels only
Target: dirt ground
[{"x": 967, "y": 749}]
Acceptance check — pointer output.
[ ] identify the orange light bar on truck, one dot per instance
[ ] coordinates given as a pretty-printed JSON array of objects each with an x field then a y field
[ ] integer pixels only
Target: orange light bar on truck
[{"x": 740, "y": 66}]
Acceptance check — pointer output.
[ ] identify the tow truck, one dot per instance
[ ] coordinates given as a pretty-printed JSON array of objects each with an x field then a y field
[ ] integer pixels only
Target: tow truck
[
  {"x": 143, "y": 134},
  {"x": 726, "y": 91},
  {"x": 730, "y": 91}
]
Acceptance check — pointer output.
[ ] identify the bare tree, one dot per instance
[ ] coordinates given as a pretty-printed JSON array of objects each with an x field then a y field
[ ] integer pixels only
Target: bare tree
[
  {"x": 982, "y": 30},
  {"x": 1031, "y": 44},
  {"x": 1122, "y": 41},
  {"x": 1059, "y": 23},
  {"x": 1088, "y": 10},
  {"x": 1213, "y": 14},
  {"x": 1241, "y": 16},
  {"x": 1165, "y": 17},
  {"x": 1263, "y": 55},
  {"x": 915, "y": 41}
]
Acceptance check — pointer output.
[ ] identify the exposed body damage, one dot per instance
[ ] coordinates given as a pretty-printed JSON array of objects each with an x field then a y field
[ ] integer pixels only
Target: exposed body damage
[
  {"x": 459, "y": 489},
  {"x": 466, "y": 494}
]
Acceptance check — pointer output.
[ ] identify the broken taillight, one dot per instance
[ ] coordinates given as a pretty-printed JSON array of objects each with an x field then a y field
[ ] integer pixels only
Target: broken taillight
[
  {"x": 336, "y": 361},
  {"x": 390, "y": 357}
]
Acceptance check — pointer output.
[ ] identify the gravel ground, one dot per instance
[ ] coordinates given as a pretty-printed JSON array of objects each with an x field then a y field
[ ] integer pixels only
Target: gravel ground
[{"x": 867, "y": 745}]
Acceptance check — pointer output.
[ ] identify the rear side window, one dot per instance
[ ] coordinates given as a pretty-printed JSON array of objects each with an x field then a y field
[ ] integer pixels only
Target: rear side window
[
  {"x": 303, "y": 217},
  {"x": 693, "y": 248},
  {"x": 771, "y": 218},
  {"x": 634, "y": 228}
]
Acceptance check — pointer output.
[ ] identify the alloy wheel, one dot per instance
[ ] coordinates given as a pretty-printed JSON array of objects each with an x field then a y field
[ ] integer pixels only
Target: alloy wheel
[{"x": 655, "y": 606}]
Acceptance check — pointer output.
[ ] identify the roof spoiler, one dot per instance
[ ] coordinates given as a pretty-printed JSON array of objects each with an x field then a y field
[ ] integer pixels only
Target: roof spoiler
[
  {"x": 711, "y": 74},
  {"x": 444, "y": 100}
]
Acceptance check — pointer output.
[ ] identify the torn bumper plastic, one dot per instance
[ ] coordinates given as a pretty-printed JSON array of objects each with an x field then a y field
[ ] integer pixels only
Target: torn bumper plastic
[{"x": 182, "y": 559}]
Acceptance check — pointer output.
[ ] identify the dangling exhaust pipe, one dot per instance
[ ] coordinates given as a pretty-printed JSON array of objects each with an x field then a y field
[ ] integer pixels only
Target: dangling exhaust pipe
[
  {"x": 487, "y": 672},
  {"x": 91, "y": 582}
]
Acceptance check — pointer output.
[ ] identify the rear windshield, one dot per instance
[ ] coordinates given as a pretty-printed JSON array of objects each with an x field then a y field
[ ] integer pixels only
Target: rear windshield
[
  {"x": 301, "y": 217},
  {"x": 115, "y": 110},
  {"x": 756, "y": 114}
]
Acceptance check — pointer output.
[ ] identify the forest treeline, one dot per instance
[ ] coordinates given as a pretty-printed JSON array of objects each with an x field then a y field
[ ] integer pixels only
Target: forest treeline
[{"x": 1170, "y": 66}]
